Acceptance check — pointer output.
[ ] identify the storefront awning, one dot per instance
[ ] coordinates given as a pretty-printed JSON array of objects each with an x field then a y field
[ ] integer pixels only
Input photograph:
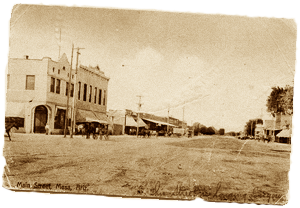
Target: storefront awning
[
  {"x": 158, "y": 122},
  {"x": 102, "y": 118},
  {"x": 130, "y": 121},
  {"x": 141, "y": 123},
  {"x": 15, "y": 110},
  {"x": 83, "y": 116},
  {"x": 285, "y": 133}
]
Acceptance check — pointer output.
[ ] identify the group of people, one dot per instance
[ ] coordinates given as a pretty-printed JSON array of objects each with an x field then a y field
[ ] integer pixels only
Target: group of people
[{"x": 94, "y": 130}]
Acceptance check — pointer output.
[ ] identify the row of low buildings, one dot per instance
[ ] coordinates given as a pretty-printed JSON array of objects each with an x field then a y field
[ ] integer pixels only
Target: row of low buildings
[
  {"x": 123, "y": 121},
  {"x": 280, "y": 127},
  {"x": 37, "y": 92}
]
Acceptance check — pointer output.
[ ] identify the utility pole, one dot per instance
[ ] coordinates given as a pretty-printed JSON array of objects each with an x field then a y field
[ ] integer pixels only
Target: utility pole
[
  {"x": 183, "y": 113},
  {"x": 74, "y": 94},
  {"x": 138, "y": 118},
  {"x": 251, "y": 128},
  {"x": 68, "y": 95},
  {"x": 59, "y": 47},
  {"x": 124, "y": 123},
  {"x": 168, "y": 128}
]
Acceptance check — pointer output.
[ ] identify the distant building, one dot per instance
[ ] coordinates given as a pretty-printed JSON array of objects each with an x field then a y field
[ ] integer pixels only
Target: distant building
[
  {"x": 222, "y": 131},
  {"x": 259, "y": 130},
  {"x": 37, "y": 93},
  {"x": 129, "y": 120},
  {"x": 277, "y": 125}
]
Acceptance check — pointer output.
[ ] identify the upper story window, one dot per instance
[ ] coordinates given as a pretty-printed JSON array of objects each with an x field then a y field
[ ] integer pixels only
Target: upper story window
[
  {"x": 52, "y": 84},
  {"x": 72, "y": 90},
  {"x": 104, "y": 97},
  {"x": 57, "y": 86},
  {"x": 79, "y": 89},
  {"x": 90, "y": 95},
  {"x": 53, "y": 69},
  {"x": 8, "y": 80},
  {"x": 30, "y": 82},
  {"x": 99, "y": 98},
  {"x": 58, "y": 71},
  {"x": 64, "y": 68},
  {"x": 84, "y": 92},
  {"x": 95, "y": 100},
  {"x": 67, "y": 88}
]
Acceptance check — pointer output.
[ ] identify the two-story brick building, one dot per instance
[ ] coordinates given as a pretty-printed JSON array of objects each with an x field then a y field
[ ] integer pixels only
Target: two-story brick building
[{"x": 37, "y": 92}]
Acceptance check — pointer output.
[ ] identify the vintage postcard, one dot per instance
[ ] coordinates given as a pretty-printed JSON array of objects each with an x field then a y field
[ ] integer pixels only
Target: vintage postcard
[{"x": 149, "y": 104}]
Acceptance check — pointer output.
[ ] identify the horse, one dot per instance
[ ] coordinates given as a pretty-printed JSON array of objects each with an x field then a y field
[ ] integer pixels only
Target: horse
[
  {"x": 269, "y": 138},
  {"x": 8, "y": 127},
  {"x": 105, "y": 133},
  {"x": 144, "y": 133},
  {"x": 147, "y": 132},
  {"x": 141, "y": 133}
]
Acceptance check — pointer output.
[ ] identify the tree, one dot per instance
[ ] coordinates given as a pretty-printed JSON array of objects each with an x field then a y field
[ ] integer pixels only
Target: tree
[
  {"x": 280, "y": 100},
  {"x": 203, "y": 130},
  {"x": 210, "y": 131},
  {"x": 288, "y": 100},
  {"x": 196, "y": 126},
  {"x": 251, "y": 125}
]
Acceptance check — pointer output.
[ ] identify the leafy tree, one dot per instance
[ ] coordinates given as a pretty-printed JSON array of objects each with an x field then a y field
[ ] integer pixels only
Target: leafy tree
[
  {"x": 288, "y": 100},
  {"x": 203, "y": 130},
  {"x": 280, "y": 100},
  {"x": 210, "y": 131},
  {"x": 196, "y": 128},
  {"x": 251, "y": 125}
]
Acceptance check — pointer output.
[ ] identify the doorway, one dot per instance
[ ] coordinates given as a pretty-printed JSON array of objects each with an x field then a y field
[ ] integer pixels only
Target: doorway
[{"x": 40, "y": 119}]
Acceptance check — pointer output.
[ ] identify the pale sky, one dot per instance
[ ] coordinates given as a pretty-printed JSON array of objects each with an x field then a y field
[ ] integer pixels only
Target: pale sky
[{"x": 219, "y": 67}]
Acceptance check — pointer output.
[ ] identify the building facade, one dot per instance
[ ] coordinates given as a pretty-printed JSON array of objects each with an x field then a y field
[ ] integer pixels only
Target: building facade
[{"x": 37, "y": 92}]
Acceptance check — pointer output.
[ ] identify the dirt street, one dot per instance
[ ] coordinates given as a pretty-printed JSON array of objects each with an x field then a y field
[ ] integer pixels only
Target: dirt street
[{"x": 216, "y": 168}]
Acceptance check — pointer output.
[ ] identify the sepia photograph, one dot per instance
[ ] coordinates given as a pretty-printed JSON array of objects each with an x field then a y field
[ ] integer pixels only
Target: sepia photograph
[{"x": 149, "y": 103}]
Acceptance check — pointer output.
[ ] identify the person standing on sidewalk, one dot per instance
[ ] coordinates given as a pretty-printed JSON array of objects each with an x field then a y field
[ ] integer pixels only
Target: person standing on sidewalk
[{"x": 47, "y": 128}]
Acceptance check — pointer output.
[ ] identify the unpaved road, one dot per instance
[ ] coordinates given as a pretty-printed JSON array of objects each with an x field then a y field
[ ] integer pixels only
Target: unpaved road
[{"x": 212, "y": 167}]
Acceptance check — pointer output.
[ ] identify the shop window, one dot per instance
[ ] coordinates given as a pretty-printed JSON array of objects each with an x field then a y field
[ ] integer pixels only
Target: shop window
[
  {"x": 59, "y": 122},
  {"x": 15, "y": 120}
]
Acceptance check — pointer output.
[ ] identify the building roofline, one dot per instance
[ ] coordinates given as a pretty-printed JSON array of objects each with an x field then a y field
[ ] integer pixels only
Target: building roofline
[{"x": 94, "y": 72}]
